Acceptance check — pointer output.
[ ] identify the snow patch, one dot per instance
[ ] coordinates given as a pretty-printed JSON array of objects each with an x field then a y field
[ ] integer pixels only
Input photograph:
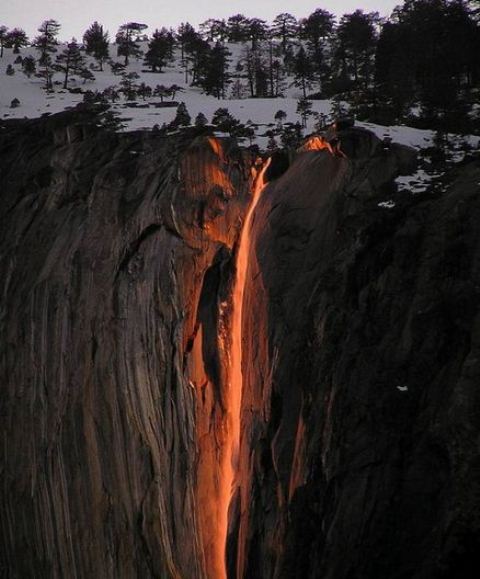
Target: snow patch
[{"x": 387, "y": 204}]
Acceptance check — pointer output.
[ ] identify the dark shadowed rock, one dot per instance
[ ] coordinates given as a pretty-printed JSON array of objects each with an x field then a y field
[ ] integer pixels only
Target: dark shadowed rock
[{"x": 361, "y": 402}]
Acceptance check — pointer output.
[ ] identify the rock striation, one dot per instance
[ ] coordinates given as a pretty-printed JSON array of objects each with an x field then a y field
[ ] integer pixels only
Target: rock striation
[{"x": 358, "y": 449}]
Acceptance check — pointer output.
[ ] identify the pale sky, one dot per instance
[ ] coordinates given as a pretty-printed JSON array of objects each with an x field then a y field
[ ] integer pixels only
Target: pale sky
[{"x": 76, "y": 15}]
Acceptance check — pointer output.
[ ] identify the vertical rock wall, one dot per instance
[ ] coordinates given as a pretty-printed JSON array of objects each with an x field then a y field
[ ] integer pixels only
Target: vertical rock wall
[
  {"x": 114, "y": 253},
  {"x": 360, "y": 407}
]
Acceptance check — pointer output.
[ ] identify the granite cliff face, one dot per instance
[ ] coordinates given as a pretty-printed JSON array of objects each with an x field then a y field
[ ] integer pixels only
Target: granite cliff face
[{"x": 357, "y": 450}]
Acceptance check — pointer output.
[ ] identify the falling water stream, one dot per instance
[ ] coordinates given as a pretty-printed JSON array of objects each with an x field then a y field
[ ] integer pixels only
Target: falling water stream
[{"x": 234, "y": 395}]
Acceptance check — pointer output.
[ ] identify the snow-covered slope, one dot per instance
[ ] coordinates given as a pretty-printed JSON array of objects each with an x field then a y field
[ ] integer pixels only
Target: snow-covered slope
[{"x": 34, "y": 101}]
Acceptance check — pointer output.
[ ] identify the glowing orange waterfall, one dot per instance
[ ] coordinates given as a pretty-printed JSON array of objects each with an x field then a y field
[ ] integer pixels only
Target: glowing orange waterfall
[{"x": 234, "y": 394}]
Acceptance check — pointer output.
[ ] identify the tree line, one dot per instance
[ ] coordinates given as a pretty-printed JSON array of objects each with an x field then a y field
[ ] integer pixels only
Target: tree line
[{"x": 421, "y": 65}]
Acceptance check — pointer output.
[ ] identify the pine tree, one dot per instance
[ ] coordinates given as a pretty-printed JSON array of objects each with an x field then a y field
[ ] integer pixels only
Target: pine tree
[
  {"x": 316, "y": 30},
  {"x": 317, "y": 27},
  {"x": 111, "y": 93},
  {"x": 129, "y": 88},
  {"x": 29, "y": 65},
  {"x": 196, "y": 63},
  {"x": 303, "y": 71},
  {"x": 237, "y": 27},
  {"x": 226, "y": 122},
  {"x": 110, "y": 121},
  {"x": 304, "y": 109},
  {"x": 159, "y": 49},
  {"x": 96, "y": 43},
  {"x": 214, "y": 30},
  {"x": 428, "y": 54},
  {"x": 187, "y": 38},
  {"x": 214, "y": 75},
  {"x": 257, "y": 31},
  {"x": 272, "y": 144},
  {"x": 357, "y": 39},
  {"x": 117, "y": 68},
  {"x": 182, "y": 118},
  {"x": 280, "y": 117},
  {"x": 278, "y": 78},
  {"x": 161, "y": 91},
  {"x": 201, "y": 120},
  {"x": 126, "y": 43},
  {"x": 3, "y": 39},
  {"x": 291, "y": 136},
  {"x": 255, "y": 69},
  {"x": 144, "y": 90},
  {"x": 46, "y": 43},
  {"x": 69, "y": 61},
  {"x": 86, "y": 74},
  {"x": 238, "y": 90},
  {"x": 285, "y": 27},
  {"x": 173, "y": 90},
  {"x": 17, "y": 39}
]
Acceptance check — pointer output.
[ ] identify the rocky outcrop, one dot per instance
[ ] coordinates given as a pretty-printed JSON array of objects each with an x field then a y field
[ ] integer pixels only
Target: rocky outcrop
[{"x": 359, "y": 410}]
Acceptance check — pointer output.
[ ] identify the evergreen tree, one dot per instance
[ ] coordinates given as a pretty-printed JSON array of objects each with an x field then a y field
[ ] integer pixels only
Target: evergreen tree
[
  {"x": 173, "y": 90},
  {"x": 280, "y": 117},
  {"x": 278, "y": 78},
  {"x": 182, "y": 118},
  {"x": 117, "y": 68},
  {"x": 303, "y": 71},
  {"x": 197, "y": 60},
  {"x": 111, "y": 93},
  {"x": 159, "y": 49},
  {"x": 16, "y": 39},
  {"x": 126, "y": 40},
  {"x": 274, "y": 70},
  {"x": 226, "y": 122},
  {"x": 3, "y": 38},
  {"x": 110, "y": 121},
  {"x": 394, "y": 73},
  {"x": 257, "y": 31},
  {"x": 272, "y": 143},
  {"x": 29, "y": 65},
  {"x": 201, "y": 120},
  {"x": 69, "y": 61},
  {"x": 316, "y": 28},
  {"x": 96, "y": 43},
  {"x": 161, "y": 91},
  {"x": 339, "y": 110},
  {"x": 10, "y": 71},
  {"x": 144, "y": 91},
  {"x": 86, "y": 74},
  {"x": 214, "y": 30},
  {"x": 46, "y": 44},
  {"x": 429, "y": 53},
  {"x": 238, "y": 28},
  {"x": 261, "y": 82},
  {"x": 320, "y": 122},
  {"x": 238, "y": 90},
  {"x": 304, "y": 109},
  {"x": 285, "y": 27},
  {"x": 357, "y": 39},
  {"x": 187, "y": 38},
  {"x": 128, "y": 85},
  {"x": 291, "y": 136},
  {"x": 214, "y": 75},
  {"x": 256, "y": 73}
]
